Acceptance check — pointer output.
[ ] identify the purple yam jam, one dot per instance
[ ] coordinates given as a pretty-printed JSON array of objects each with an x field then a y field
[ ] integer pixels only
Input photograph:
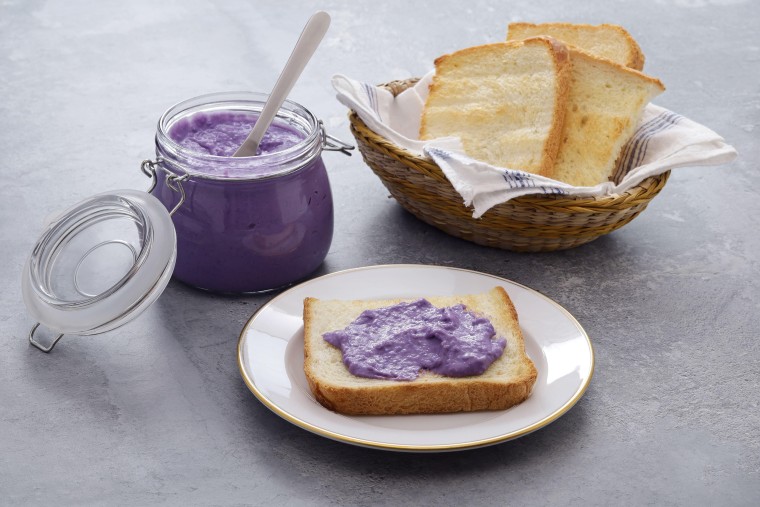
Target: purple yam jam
[
  {"x": 398, "y": 341},
  {"x": 221, "y": 133},
  {"x": 255, "y": 223}
]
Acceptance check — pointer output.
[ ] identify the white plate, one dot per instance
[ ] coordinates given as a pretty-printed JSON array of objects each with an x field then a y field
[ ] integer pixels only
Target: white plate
[{"x": 270, "y": 357}]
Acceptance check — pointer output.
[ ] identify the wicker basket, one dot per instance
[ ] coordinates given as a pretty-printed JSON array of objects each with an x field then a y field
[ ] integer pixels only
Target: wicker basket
[{"x": 533, "y": 223}]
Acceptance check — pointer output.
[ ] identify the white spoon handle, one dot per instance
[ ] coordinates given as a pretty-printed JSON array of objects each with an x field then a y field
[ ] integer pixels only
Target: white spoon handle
[{"x": 307, "y": 43}]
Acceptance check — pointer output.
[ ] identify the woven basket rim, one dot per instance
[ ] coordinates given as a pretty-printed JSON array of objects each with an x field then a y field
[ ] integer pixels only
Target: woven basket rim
[{"x": 539, "y": 201}]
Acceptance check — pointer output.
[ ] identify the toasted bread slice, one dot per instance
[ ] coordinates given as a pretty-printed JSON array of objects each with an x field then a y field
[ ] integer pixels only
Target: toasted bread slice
[
  {"x": 503, "y": 100},
  {"x": 507, "y": 381},
  {"x": 612, "y": 42},
  {"x": 605, "y": 103}
]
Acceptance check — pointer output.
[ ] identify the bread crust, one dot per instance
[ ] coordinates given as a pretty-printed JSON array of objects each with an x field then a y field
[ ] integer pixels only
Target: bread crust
[
  {"x": 564, "y": 78},
  {"x": 576, "y": 52},
  {"x": 429, "y": 393},
  {"x": 634, "y": 55}
]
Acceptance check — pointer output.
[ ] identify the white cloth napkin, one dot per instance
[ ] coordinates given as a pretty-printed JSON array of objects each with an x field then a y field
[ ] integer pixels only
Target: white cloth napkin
[{"x": 663, "y": 140}]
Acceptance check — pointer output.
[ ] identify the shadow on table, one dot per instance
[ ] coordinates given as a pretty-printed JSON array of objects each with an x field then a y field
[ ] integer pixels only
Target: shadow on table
[{"x": 297, "y": 445}]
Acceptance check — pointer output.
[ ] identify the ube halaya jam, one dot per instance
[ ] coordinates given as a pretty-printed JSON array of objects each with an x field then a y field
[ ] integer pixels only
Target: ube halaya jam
[
  {"x": 246, "y": 224},
  {"x": 220, "y": 133},
  {"x": 398, "y": 341}
]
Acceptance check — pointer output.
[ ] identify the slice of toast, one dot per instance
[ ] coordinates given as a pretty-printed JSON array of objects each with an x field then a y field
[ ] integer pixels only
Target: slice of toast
[
  {"x": 604, "y": 105},
  {"x": 612, "y": 42},
  {"x": 503, "y": 100},
  {"x": 507, "y": 381}
]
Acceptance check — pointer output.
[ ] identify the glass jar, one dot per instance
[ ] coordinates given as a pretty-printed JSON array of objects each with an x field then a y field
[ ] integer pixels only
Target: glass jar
[{"x": 247, "y": 224}]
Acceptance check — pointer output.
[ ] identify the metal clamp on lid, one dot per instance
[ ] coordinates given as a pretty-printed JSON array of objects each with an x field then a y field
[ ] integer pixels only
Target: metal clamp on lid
[
  {"x": 39, "y": 345},
  {"x": 148, "y": 167},
  {"x": 330, "y": 143}
]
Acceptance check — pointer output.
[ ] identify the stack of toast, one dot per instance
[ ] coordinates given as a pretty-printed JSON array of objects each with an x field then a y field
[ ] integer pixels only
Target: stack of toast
[{"x": 555, "y": 99}]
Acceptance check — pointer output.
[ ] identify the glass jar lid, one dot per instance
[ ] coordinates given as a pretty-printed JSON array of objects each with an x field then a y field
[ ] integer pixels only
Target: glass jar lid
[{"x": 100, "y": 263}]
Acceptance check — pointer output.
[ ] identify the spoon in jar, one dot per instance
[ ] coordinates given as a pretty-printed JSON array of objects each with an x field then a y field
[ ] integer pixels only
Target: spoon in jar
[{"x": 307, "y": 43}]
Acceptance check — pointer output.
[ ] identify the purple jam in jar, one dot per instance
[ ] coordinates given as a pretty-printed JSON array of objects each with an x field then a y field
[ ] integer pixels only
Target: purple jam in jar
[
  {"x": 399, "y": 341},
  {"x": 247, "y": 224},
  {"x": 221, "y": 133}
]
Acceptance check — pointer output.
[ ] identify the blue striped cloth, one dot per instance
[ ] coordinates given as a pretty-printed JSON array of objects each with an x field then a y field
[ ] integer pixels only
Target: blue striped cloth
[
  {"x": 663, "y": 140},
  {"x": 633, "y": 153}
]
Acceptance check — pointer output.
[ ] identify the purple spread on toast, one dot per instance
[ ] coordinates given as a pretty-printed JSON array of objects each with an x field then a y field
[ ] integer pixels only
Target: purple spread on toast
[{"x": 398, "y": 341}]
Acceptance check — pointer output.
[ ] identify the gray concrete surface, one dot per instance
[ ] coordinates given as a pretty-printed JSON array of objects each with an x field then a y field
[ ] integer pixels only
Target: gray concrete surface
[{"x": 156, "y": 412}]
